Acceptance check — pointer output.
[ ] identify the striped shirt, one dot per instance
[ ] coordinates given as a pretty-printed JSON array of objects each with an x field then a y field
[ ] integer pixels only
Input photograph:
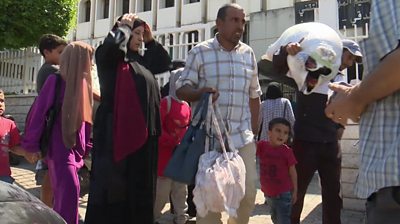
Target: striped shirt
[
  {"x": 234, "y": 74},
  {"x": 380, "y": 123},
  {"x": 273, "y": 108}
]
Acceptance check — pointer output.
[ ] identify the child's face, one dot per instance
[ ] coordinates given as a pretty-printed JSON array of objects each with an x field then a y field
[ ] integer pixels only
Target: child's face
[
  {"x": 2, "y": 104},
  {"x": 136, "y": 38},
  {"x": 53, "y": 56},
  {"x": 278, "y": 135}
]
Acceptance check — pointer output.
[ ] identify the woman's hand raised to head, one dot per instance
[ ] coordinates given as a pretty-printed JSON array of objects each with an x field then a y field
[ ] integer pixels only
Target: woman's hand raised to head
[
  {"x": 127, "y": 19},
  {"x": 147, "y": 36}
]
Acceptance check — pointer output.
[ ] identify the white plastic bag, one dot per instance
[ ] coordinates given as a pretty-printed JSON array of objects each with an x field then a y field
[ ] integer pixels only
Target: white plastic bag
[
  {"x": 318, "y": 41},
  {"x": 220, "y": 179}
]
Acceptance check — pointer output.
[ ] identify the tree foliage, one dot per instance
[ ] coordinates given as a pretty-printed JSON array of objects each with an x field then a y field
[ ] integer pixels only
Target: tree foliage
[{"x": 22, "y": 22}]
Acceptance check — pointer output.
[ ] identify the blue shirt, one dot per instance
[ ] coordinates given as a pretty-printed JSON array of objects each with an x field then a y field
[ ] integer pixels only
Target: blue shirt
[{"x": 380, "y": 123}]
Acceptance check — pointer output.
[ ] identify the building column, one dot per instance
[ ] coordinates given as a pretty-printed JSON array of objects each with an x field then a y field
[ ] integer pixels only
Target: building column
[{"x": 327, "y": 15}]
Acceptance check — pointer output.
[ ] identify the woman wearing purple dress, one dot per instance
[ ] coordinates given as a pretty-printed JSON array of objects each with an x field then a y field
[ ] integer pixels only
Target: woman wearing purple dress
[{"x": 69, "y": 140}]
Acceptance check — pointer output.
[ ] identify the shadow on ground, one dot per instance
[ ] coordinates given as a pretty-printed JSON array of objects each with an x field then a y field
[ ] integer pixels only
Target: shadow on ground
[
  {"x": 315, "y": 216},
  {"x": 261, "y": 209}
]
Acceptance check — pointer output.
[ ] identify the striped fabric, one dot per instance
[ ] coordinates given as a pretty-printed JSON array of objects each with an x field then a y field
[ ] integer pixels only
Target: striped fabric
[
  {"x": 380, "y": 124},
  {"x": 273, "y": 108},
  {"x": 234, "y": 74}
]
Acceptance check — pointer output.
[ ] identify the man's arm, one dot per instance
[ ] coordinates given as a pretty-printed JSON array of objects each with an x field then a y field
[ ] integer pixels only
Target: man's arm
[
  {"x": 190, "y": 94},
  {"x": 254, "y": 111},
  {"x": 350, "y": 102}
]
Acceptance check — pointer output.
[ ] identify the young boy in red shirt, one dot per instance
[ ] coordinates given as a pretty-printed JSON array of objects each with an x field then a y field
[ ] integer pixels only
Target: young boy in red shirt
[
  {"x": 278, "y": 175},
  {"x": 9, "y": 141}
]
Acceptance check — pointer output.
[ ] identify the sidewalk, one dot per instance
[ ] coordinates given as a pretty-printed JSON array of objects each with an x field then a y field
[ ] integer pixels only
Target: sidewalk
[{"x": 25, "y": 177}]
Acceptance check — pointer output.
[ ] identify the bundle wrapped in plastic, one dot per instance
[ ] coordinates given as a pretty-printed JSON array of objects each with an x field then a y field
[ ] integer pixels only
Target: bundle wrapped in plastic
[
  {"x": 320, "y": 56},
  {"x": 221, "y": 175}
]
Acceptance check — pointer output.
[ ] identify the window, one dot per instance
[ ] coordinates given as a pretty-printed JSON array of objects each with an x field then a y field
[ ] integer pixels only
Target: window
[
  {"x": 122, "y": 7},
  {"x": 171, "y": 39},
  {"x": 144, "y": 5},
  {"x": 147, "y": 5},
  {"x": 245, "y": 36},
  {"x": 106, "y": 9},
  {"x": 161, "y": 39},
  {"x": 214, "y": 30},
  {"x": 87, "y": 11},
  {"x": 191, "y": 1},
  {"x": 166, "y": 3},
  {"x": 125, "y": 6},
  {"x": 171, "y": 43},
  {"x": 169, "y": 3},
  {"x": 193, "y": 39}
]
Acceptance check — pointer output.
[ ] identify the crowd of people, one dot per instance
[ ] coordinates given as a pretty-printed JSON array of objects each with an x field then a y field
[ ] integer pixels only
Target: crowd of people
[{"x": 134, "y": 132}]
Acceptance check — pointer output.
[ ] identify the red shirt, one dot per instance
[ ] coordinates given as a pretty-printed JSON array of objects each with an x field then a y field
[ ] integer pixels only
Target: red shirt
[
  {"x": 174, "y": 125},
  {"x": 274, "y": 168},
  {"x": 9, "y": 137}
]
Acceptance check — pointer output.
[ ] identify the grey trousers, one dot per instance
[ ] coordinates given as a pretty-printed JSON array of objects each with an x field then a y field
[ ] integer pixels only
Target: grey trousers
[
  {"x": 383, "y": 206},
  {"x": 178, "y": 192}
]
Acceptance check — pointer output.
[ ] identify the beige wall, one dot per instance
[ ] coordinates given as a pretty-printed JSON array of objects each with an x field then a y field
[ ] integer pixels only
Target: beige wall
[
  {"x": 266, "y": 27},
  {"x": 350, "y": 164},
  {"x": 18, "y": 106}
]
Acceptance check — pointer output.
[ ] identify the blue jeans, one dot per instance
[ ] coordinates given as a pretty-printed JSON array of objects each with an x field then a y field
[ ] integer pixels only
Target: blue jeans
[
  {"x": 281, "y": 208},
  {"x": 7, "y": 179}
]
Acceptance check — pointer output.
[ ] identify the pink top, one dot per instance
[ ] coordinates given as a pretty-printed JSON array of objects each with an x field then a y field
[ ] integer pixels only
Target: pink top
[
  {"x": 9, "y": 137},
  {"x": 174, "y": 125},
  {"x": 274, "y": 168}
]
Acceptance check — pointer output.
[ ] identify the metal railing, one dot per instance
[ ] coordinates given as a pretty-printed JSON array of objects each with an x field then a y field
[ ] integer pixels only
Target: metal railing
[{"x": 18, "y": 70}]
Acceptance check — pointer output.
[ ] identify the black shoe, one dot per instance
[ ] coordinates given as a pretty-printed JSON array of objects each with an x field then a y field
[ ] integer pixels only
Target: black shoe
[{"x": 14, "y": 160}]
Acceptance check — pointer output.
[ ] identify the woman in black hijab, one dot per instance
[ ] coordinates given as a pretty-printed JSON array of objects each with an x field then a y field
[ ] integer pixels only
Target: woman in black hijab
[{"x": 127, "y": 125}]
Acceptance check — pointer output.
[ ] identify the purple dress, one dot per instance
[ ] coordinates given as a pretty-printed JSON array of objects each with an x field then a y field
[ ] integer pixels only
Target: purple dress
[{"x": 63, "y": 163}]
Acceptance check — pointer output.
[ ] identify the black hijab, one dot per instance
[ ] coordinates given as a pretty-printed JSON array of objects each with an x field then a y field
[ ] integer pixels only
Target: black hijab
[{"x": 273, "y": 91}]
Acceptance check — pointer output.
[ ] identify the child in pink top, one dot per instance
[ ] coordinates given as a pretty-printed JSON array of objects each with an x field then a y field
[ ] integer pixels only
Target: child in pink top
[
  {"x": 277, "y": 170},
  {"x": 175, "y": 118},
  {"x": 9, "y": 141}
]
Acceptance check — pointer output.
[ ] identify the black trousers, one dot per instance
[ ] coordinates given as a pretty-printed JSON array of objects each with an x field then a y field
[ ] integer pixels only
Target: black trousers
[{"x": 326, "y": 159}]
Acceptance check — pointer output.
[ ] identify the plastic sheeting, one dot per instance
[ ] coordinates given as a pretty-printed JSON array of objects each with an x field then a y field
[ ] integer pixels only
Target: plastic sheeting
[{"x": 318, "y": 41}]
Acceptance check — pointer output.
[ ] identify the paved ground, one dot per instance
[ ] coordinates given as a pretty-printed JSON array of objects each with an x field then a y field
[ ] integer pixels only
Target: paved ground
[{"x": 24, "y": 177}]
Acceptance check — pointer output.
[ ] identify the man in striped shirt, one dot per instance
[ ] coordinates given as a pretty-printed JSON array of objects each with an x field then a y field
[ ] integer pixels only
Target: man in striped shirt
[
  {"x": 376, "y": 101},
  {"x": 227, "y": 67}
]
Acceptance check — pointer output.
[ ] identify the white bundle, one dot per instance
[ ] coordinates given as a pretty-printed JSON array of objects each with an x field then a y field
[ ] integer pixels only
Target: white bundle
[{"x": 318, "y": 41}]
